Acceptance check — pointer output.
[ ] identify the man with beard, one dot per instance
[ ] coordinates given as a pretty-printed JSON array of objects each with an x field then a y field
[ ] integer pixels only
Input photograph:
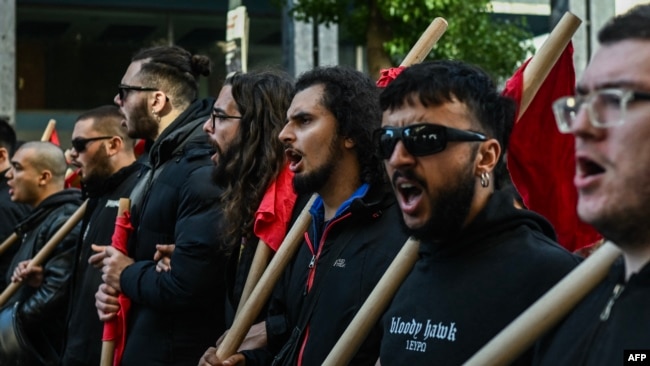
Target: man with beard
[
  {"x": 32, "y": 320},
  {"x": 175, "y": 315},
  {"x": 10, "y": 212},
  {"x": 104, "y": 153},
  {"x": 482, "y": 261},
  {"x": 609, "y": 120},
  {"x": 352, "y": 239}
]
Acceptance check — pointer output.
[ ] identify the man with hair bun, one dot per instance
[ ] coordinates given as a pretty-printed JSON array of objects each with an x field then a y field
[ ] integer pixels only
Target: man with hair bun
[{"x": 175, "y": 315}]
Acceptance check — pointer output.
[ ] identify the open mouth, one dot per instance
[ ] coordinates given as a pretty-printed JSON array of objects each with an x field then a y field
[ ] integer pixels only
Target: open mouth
[
  {"x": 294, "y": 158},
  {"x": 587, "y": 167},
  {"x": 409, "y": 193}
]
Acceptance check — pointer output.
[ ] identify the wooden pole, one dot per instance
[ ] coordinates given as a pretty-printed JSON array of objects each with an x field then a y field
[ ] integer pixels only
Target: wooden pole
[
  {"x": 425, "y": 43},
  {"x": 548, "y": 310},
  {"x": 47, "y": 249},
  {"x": 261, "y": 259},
  {"x": 374, "y": 306},
  {"x": 541, "y": 64},
  {"x": 264, "y": 287},
  {"x": 11, "y": 240},
  {"x": 49, "y": 129},
  {"x": 108, "y": 347}
]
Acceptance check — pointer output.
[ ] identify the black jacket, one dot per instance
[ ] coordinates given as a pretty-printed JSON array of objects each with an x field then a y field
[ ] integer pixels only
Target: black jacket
[
  {"x": 176, "y": 315},
  {"x": 463, "y": 291},
  {"x": 11, "y": 213},
  {"x": 84, "y": 330},
  {"x": 41, "y": 311},
  {"x": 613, "y": 318},
  {"x": 357, "y": 247}
]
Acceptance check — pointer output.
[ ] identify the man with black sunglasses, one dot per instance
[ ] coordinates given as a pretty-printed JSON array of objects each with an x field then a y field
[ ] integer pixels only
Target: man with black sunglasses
[
  {"x": 177, "y": 314},
  {"x": 104, "y": 154},
  {"x": 482, "y": 261},
  {"x": 609, "y": 118}
]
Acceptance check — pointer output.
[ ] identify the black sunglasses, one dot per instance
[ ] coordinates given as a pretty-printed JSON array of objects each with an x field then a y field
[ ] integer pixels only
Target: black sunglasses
[
  {"x": 123, "y": 89},
  {"x": 79, "y": 144},
  {"x": 420, "y": 139},
  {"x": 216, "y": 116}
]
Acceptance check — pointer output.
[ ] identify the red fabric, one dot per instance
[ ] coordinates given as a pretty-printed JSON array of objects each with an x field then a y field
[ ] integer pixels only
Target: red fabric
[
  {"x": 388, "y": 75},
  {"x": 541, "y": 159},
  {"x": 115, "y": 329},
  {"x": 138, "y": 148},
  {"x": 54, "y": 138},
  {"x": 274, "y": 213},
  {"x": 73, "y": 179}
]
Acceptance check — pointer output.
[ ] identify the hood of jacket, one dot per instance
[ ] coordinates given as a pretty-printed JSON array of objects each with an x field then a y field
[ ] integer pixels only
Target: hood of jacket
[
  {"x": 186, "y": 128},
  {"x": 41, "y": 211},
  {"x": 497, "y": 217}
]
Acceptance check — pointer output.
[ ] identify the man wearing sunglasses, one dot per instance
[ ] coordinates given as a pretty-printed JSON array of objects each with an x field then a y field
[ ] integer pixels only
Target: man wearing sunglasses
[
  {"x": 609, "y": 119},
  {"x": 172, "y": 318},
  {"x": 32, "y": 320},
  {"x": 482, "y": 261},
  {"x": 104, "y": 153}
]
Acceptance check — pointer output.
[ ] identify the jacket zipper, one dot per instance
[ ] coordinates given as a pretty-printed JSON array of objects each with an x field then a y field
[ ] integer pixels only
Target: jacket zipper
[
  {"x": 608, "y": 308},
  {"x": 312, "y": 274}
]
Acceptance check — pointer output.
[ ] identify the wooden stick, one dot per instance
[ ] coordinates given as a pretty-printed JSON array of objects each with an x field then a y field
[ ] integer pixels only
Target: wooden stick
[
  {"x": 11, "y": 240},
  {"x": 108, "y": 347},
  {"x": 548, "y": 310},
  {"x": 425, "y": 43},
  {"x": 47, "y": 249},
  {"x": 374, "y": 306},
  {"x": 264, "y": 287},
  {"x": 263, "y": 255},
  {"x": 541, "y": 64},
  {"x": 49, "y": 129}
]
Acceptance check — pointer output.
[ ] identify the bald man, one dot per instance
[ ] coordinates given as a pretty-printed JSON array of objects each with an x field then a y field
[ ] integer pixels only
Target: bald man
[{"x": 31, "y": 322}]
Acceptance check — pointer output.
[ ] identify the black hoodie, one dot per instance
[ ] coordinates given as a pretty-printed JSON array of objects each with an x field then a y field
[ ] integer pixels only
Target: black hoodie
[{"x": 463, "y": 291}]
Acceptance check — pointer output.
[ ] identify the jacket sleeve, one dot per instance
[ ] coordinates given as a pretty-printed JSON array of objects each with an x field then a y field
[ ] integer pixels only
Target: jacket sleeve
[
  {"x": 196, "y": 261},
  {"x": 52, "y": 295}
]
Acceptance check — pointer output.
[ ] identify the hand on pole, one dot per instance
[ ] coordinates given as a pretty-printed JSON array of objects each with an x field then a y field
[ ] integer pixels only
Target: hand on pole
[{"x": 32, "y": 276}]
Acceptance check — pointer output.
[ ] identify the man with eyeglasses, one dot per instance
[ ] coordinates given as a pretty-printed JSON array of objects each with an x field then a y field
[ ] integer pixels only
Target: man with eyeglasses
[
  {"x": 177, "y": 314},
  {"x": 482, "y": 261},
  {"x": 104, "y": 153},
  {"x": 609, "y": 119},
  {"x": 32, "y": 320},
  {"x": 353, "y": 237}
]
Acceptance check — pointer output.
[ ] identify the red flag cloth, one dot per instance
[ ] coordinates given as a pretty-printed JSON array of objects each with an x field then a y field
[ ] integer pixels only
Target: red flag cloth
[
  {"x": 274, "y": 213},
  {"x": 138, "y": 148},
  {"x": 73, "y": 178},
  {"x": 54, "y": 138},
  {"x": 388, "y": 75},
  {"x": 115, "y": 329},
  {"x": 541, "y": 159}
]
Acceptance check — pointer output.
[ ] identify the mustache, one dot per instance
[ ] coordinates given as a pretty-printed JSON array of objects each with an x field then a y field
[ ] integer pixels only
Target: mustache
[{"x": 407, "y": 174}]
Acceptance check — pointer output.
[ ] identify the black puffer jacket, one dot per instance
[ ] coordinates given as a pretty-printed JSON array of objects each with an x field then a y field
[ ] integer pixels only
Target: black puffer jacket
[
  {"x": 357, "y": 245},
  {"x": 175, "y": 316},
  {"x": 84, "y": 329},
  {"x": 41, "y": 311}
]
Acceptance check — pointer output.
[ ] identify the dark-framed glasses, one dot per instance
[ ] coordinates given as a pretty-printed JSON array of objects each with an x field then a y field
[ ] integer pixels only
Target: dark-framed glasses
[
  {"x": 80, "y": 144},
  {"x": 605, "y": 107},
  {"x": 420, "y": 139},
  {"x": 221, "y": 116},
  {"x": 123, "y": 89}
]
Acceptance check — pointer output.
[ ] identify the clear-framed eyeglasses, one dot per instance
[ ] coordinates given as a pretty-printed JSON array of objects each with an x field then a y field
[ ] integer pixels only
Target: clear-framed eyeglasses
[{"x": 605, "y": 107}]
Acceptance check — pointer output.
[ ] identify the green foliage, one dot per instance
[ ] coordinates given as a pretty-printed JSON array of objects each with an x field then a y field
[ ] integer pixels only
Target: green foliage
[{"x": 472, "y": 36}]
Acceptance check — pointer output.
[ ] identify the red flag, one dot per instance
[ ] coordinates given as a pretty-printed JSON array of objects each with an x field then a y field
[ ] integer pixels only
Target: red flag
[
  {"x": 73, "y": 178},
  {"x": 115, "y": 329},
  {"x": 274, "y": 213},
  {"x": 138, "y": 148},
  {"x": 388, "y": 75},
  {"x": 54, "y": 138},
  {"x": 541, "y": 159}
]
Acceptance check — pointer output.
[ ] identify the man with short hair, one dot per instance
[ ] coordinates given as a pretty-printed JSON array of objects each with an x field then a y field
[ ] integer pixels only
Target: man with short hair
[
  {"x": 609, "y": 118},
  {"x": 482, "y": 261},
  {"x": 104, "y": 153},
  {"x": 10, "y": 212},
  {"x": 174, "y": 315},
  {"x": 352, "y": 239},
  {"x": 32, "y": 320}
]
